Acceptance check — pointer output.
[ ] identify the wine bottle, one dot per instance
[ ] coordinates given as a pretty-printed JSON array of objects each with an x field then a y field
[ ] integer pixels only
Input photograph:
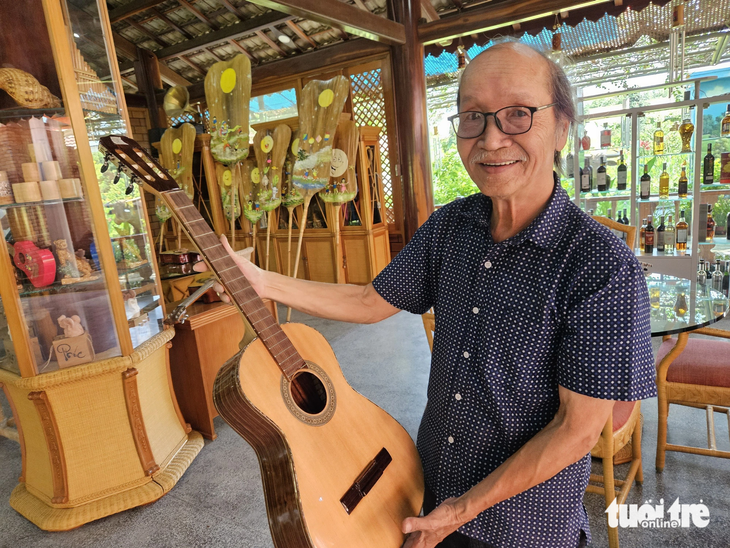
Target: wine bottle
[
  {"x": 601, "y": 176},
  {"x": 625, "y": 220},
  {"x": 664, "y": 182},
  {"x": 649, "y": 237},
  {"x": 708, "y": 167},
  {"x": 717, "y": 277},
  {"x": 605, "y": 136},
  {"x": 660, "y": 235},
  {"x": 682, "y": 184},
  {"x": 642, "y": 236},
  {"x": 621, "y": 173},
  {"x": 710, "y": 224},
  {"x": 586, "y": 140},
  {"x": 701, "y": 274},
  {"x": 658, "y": 140},
  {"x": 725, "y": 124},
  {"x": 669, "y": 237},
  {"x": 681, "y": 233},
  {"x": 686, "y": 129},
  {"x": 645, "y": 184},
  {"x": 586, "y": 177}
]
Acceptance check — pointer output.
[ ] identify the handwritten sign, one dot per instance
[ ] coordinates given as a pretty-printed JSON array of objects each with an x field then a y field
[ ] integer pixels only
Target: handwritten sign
[{"x": 72, "y": 351}]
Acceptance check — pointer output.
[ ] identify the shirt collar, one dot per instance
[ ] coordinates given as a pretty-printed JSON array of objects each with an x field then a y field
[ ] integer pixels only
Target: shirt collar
[{"x": 545, "y": 230}]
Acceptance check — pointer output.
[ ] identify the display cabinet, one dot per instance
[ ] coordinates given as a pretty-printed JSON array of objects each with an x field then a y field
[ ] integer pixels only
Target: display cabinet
[
  {"x": 658, "y": 132},
  {"x": 84, "y": 357}
]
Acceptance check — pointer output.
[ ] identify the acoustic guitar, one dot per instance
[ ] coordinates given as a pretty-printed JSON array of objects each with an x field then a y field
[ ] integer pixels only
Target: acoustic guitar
[{"x": 337, "y": 471}]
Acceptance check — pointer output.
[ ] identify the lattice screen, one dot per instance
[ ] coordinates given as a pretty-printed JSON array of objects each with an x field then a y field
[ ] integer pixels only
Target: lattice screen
[{"x": 368, "y": 103}]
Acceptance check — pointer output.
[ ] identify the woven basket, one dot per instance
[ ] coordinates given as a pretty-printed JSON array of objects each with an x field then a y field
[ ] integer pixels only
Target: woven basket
[{"x": 26, "y": 90}]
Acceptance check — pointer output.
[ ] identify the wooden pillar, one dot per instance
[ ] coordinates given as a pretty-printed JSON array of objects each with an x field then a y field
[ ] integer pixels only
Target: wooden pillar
[
  {"x": 149, "y": 81},
  {"x": 409, "y": 86}
]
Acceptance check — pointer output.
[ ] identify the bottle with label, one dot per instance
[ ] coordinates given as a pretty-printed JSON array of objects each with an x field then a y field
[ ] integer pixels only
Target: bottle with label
[
  {"x": 681, "y": 233},
  {"x": 585, "y": 141},
  {"x": 708, "y": 167},
  {"x": 601, "y": 176},
  {"x": 686, "y": 129},
  {"x": 717, "y": 277},
  {"x": 646, "y": 184},
  {"x": 664, "y": 182},
  {"x": 621, "y": 173},
  {"x": 710, "y": 224},
  {"x": 725, "y": 124},
  {"x": 649, "y": 237},
  {"x": 682, "y": 184},
  {"x": 660, "y": 230},
  {"x": 669, "y": 237},
  {"x": 658, "y": 140},
  {"x": 605, "y": 136},
  {"x": 642, "y": 236},
  {"x": 586, "y": 177},
  {"x": 725, "y": 168}
]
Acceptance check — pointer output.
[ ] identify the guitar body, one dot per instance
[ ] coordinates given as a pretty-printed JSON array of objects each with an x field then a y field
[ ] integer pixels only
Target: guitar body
[{"x": 310, "y": 458}]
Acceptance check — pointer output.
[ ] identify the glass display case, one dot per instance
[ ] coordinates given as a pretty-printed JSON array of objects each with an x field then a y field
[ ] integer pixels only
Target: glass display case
[{"x": 79, "y": 268}]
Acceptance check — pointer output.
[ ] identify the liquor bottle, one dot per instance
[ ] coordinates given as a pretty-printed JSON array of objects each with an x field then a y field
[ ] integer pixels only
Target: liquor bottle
[
  {"x": 725, "y": 124},
  {"x": 669, "y": 237},
  {"x": 605, "y": 136},
  {"x": 649, "y": 237},
  {"x": 658, "y": 140},
  {"x": 681, "y": 233},
  {"x": 710, "y": 224},
  {"x": 726, "y": 278},
  {"x": 625, "y": 220},
  {"x": 708, "y": 167},
  {"x": 642, "y": 236},
  {"x": 701, "y": 274},
  {"x": 645, "y": 184},
  {"x": 717, "y": 277},
  {"x": 601, "y": 176},
  {"x": 660, "y": 235},
  {"x": 682, "y": 184},
  {"x": 586, "y": 177},
  {"x": 686, "y": 129},
  {"x": 585, "y": 141},
  {"x": 621, "y": 173},
  {"x": 664, "y": 182}
]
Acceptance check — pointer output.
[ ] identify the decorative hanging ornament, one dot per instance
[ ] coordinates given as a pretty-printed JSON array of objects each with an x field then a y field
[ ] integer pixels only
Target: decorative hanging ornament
[{"x": 557, "y": 37}]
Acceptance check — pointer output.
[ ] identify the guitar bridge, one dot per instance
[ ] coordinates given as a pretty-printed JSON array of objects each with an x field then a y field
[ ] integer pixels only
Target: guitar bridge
[{"x": 366, "y": 480}]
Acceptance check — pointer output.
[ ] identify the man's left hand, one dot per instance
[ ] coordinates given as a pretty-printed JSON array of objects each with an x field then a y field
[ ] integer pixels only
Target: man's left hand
[{"x": 428, "y": 531}]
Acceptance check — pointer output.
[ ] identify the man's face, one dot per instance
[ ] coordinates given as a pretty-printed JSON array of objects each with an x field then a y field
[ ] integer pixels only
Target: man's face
[{"x": 508, "y": 165}]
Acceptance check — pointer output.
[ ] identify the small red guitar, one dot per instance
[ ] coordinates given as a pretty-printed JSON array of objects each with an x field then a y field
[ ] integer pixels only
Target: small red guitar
[
  {"x": 338, "y": 471},
  {"x": 38, "y": 264}
]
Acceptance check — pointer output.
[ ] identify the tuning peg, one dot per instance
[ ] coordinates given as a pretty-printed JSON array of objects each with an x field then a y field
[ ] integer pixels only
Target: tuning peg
[
  {"x": 130, "y": 188},
  {"x": 117, "y": 176},
  {"x": 105, "y": 166}
]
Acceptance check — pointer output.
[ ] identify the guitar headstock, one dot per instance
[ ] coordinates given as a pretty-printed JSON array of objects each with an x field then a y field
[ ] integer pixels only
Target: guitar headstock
[{"x": 132, "y": 159}]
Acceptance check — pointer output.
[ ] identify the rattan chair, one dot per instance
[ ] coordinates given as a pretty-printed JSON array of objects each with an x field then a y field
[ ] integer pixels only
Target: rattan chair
[
  {"x": 629, "y": 230},
  {"x": 623, "y": 426},
  {"x": 693, "y": 373}
]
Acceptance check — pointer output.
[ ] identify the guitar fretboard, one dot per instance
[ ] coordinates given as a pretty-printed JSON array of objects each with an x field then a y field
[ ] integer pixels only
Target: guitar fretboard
[{"x": 241, "y": 292}]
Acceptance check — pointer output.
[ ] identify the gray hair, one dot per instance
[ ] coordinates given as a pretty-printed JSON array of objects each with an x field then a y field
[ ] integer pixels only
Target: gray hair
[{"x": 560, "y": 88}]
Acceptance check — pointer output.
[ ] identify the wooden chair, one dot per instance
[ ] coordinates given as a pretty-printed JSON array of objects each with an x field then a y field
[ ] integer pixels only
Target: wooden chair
[
  {"x": 629, "y": 230},
  {"x": 693, "y": 373},
  {"x": 623, "y": 426}
]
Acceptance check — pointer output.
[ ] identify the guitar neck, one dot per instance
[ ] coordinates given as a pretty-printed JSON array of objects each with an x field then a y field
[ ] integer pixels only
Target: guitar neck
[{"x": 241, "y": 292}]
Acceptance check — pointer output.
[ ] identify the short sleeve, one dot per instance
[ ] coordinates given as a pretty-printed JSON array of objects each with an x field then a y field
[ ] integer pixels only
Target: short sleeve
[
  {"x": 605, "y": 351},
  {"x": 408, "y": 282}
]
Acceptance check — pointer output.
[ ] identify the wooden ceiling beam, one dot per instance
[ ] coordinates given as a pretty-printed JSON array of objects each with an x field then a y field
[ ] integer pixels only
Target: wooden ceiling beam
[
  {"x": 299, "y": 32},
  {"x": 131, "y": 8},
  {"x": 428, "y": 12},
  {"x": 261, "y": 34},
  {"x": 243, "y": 50},
  {"x": 234, "y": 10},
  {"x": 490, "y": 17},
  {"x": 192, "y": 65},
  {"x": 162, "y": 17},
  {"x": 129, "y": 50},
  {"x": 244, "y": 28},
  {"x": 343, "y": 16},
  {"x": 199, "y": 14},
  {"x": 146, "y": 32}
]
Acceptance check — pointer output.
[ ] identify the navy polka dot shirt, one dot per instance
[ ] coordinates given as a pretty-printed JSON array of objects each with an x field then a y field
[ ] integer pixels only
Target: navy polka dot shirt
[{"x": 564, "y": 302}]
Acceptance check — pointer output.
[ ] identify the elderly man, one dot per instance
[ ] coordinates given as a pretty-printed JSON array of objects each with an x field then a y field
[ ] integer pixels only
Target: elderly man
[{"x": 542, "y": 321}]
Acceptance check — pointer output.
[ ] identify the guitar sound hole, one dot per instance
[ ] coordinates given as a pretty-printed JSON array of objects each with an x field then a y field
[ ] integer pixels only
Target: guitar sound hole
[{"x": 308, "y": 393}]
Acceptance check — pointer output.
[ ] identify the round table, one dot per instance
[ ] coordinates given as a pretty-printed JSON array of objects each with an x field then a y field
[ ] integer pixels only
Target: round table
[{"x": 678, "y": 306}]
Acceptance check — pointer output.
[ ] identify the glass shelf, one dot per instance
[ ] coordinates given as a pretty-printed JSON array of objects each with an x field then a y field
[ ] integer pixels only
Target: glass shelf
[
  {"x": 717, "y": 187},
  {"x": 670, "y": 198},
  {"x": 680, "y": 254},
  {"x": 41, "y": 203},
  {"x": 57, "y": 287},
  {"x": 665, "y": 155},
  {"x": 604, "y": 196}
]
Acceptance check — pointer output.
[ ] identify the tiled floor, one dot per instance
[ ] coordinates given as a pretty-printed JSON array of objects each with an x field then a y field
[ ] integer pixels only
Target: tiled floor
[{"x": 219, "y": 501}]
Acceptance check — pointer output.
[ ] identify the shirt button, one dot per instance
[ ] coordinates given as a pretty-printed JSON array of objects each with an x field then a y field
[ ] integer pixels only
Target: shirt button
[
  {"x": 466, "y": 355},
  {"x": 488, "y": 264},
  {"x": 475, "y": 310},
  {"x": 458, "y": 397},
  {"x": 451, "y": 440}
]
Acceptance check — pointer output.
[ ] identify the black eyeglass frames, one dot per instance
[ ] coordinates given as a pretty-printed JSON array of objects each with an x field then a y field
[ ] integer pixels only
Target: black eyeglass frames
[{"x": 514, "y": 120}]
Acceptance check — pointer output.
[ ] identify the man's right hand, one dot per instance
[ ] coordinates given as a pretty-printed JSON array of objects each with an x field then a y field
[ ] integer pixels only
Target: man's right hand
[{"x": 253, "y": 273}]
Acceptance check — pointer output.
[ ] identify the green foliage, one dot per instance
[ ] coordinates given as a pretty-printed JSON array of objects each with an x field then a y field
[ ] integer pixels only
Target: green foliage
[{"x": 450, "y": 179}]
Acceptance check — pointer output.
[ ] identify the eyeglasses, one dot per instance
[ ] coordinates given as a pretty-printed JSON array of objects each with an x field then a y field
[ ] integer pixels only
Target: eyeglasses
[{"x": 510, "y": 121}]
